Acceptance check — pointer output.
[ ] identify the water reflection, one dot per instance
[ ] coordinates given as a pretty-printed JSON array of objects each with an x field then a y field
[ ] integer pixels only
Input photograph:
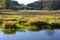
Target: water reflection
[
  {"x": 12, "y": 30},
  {"x": 9, "y": 27},
  {"x": 24, "y": 30},
  {"x": 29, "y": 32},
  {"x": 50, "y": 33}
]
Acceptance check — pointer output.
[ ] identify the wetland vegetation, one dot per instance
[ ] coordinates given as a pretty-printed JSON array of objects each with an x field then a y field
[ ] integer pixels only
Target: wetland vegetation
[
  {"x": 39, "y": 20},
  {"x": 37, "y": 27},
  {"x": 15, "y": 23}
]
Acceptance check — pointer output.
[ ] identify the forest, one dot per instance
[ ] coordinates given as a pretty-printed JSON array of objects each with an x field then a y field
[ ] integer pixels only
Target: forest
[{"x": 37, "y": 5}]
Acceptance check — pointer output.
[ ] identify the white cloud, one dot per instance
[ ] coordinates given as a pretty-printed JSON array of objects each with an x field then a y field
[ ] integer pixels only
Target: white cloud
[{"x": 25, "y": 1}]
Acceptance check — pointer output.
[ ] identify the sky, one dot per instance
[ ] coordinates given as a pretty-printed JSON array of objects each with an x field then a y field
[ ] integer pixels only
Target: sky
[{"x": 25, "y": 1}]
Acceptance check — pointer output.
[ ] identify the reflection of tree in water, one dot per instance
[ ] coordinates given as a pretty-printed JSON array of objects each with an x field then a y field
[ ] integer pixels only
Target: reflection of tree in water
[
  {"x": 50, "y": 33},
  {"x": 12, "y": 31},
  {"x": 9, "y": 31}
]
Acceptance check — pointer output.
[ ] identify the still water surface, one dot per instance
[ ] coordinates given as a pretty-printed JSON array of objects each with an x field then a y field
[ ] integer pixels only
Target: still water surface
[{"x": 32, "y": 35}]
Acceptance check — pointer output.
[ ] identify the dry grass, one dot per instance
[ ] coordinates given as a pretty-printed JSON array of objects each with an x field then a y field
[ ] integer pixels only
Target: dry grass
[{"x": 32, "y": 12}]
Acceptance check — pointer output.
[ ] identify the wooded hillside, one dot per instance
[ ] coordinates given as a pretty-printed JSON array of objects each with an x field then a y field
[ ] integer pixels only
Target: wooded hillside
[{"x": 37, "y": 5}]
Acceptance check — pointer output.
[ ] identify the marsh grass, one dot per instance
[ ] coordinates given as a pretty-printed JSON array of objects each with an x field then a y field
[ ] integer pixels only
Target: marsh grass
[
  {"x": 24, "y": 21},
  {"x": 13, "y": 23}
]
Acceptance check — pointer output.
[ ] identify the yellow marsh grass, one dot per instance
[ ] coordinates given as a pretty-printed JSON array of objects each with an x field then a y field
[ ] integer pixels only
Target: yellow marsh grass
[{"x": 15, "y": 19}]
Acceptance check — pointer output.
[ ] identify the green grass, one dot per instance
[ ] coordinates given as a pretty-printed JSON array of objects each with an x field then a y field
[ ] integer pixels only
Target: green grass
[
  {"x": 9, "y": 24},
  {"x": 28, "y": 21}
]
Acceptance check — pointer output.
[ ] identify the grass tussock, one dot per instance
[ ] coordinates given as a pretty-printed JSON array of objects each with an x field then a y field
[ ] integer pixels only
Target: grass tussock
[
  {"x": 29, "y": 21},
  {"x": 13, "y": 23}
]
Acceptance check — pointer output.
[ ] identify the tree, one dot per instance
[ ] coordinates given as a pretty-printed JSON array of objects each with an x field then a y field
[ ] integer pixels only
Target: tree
[
  {"x": 8, "y": 4},
  {"x": 51, "y": 4},
  {"x": 37, "y": 5}
]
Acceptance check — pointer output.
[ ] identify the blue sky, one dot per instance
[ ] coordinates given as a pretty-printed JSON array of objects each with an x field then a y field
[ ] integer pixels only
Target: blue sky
[{"x": 25, "y": 1}]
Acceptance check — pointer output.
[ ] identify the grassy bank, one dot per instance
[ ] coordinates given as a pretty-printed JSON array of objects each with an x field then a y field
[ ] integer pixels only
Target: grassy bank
[
  {"x": 29, "y": 21},
  {"x": 9, "y": 24}
]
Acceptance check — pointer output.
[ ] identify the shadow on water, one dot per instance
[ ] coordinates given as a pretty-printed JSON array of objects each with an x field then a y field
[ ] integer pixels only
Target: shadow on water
[
  {"x": 55, "y": 25},
  {"x": 12, "y": 30},
  {"x": 39, "y": 23},
  {"x": 34, "y": 27},
  {"x": 45, "y": 25}
]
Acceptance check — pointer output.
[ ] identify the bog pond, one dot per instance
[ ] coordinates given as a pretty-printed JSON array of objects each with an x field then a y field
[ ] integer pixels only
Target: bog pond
[
  {"x": 29, "y": 34},
  {"x": 29, "y": 28}
]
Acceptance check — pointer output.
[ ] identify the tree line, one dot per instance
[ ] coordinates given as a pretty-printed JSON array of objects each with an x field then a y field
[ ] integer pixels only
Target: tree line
[{"x": 37, "y": 5}]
